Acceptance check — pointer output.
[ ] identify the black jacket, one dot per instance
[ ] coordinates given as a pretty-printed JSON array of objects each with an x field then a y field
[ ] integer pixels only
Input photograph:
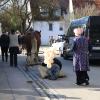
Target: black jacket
[{"x": 4, "y": 40}]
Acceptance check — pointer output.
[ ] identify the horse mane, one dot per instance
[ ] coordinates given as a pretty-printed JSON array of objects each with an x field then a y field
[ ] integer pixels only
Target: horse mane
[
  {"x": 37, "y": 32},
  {"x": 37, "y": 35}
]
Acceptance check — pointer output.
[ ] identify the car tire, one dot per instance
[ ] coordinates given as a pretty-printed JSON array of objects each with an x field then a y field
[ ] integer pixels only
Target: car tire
[{"x": 65, "y": 57}]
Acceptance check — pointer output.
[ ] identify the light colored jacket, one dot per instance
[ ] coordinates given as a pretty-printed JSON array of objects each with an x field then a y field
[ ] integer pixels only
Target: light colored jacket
[{"x": 13, "y": 40}]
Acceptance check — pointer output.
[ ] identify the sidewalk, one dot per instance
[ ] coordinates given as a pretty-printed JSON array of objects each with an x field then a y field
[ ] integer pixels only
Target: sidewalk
[{"x": 15, "y": 86}]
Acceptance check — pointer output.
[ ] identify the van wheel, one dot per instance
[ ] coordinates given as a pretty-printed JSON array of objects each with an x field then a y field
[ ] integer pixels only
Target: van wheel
[{"x": 65, "y": 58}]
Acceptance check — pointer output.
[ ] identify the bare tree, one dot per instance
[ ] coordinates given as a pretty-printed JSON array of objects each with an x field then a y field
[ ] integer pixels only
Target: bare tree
[
  {"x": 87, "y": 10},
  {"x": 3, "y": 2},
  {"x": 47, "y": 6},
  {"x": 18, "y": 14}
]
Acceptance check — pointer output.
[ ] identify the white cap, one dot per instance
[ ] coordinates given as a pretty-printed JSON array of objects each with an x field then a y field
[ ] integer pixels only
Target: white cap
[{"x": 78, "y": 31}]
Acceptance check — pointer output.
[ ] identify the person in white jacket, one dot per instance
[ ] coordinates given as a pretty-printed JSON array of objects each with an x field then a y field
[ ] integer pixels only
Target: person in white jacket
[{"x": 13, "y": 48}]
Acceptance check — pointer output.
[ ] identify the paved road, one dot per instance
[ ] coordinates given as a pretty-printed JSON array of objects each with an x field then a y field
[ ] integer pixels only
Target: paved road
[
  {"x": 15, "y": 85},
  {"x": 63, "y": 88},
  {"x": 66, "y": 86}
]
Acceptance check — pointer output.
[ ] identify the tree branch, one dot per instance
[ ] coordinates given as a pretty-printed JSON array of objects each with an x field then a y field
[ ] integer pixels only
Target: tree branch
[{"x": 1, "y": 5}]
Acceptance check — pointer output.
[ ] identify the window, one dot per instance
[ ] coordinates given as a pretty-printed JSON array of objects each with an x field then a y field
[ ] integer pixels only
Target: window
[
  {"x": 61, "y": 28},
  {"x": 50, "y": 26}
]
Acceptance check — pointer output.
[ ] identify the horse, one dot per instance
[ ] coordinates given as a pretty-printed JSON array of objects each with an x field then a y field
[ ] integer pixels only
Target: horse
[
  {"x": 32, "y": 42},
  {"x": 37, "y": 35}
]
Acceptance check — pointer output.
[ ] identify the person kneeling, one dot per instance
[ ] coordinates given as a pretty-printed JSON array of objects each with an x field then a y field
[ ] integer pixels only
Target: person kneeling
[{"x": 51, "y": 67}]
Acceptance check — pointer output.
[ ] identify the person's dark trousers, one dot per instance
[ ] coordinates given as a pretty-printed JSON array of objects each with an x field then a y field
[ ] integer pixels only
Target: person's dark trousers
[
  {"x": 13, "y": 56},
  {"x": 82, "y": 77},
  {"x": 78, "y": 78},
  {"x": 13, "y": 59},
  {"x": 4, "y": 52},
  {"x": 85, "y": 74}
]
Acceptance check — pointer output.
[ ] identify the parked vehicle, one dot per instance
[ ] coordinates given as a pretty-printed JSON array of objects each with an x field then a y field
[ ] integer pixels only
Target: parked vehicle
[
  {"x": 91, "y": 25},
  {"x": 58, "y": 44}
]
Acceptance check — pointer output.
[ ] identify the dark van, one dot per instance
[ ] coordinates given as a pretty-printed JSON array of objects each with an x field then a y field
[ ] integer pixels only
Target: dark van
[{"x": 91, "y": 25}]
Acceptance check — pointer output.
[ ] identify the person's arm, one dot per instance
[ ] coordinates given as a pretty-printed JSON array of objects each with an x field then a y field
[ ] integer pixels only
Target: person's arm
[
  {"x": 1, "y": 40},
  {"x": 72, "y": 47},
  {"x": 8, "y": 41},
  {"x": 58, "y": 62}
]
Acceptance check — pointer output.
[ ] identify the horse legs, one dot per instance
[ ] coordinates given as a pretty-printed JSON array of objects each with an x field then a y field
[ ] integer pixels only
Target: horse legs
[{"x": 37, "y": 52}]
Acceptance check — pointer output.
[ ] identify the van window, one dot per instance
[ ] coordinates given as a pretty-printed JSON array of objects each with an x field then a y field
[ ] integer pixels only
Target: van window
[
  {"x": 70, "y": 31},
  {"x": 95, "y": 31},
  {"x": 82, "y": 22}
]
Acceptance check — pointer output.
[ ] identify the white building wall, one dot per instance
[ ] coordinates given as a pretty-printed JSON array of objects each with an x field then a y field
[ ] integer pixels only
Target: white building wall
[{"x": 45, "y": 32}]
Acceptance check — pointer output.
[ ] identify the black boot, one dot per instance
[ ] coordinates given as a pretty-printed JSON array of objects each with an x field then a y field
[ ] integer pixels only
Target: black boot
[{"x": 87, "y": 82}]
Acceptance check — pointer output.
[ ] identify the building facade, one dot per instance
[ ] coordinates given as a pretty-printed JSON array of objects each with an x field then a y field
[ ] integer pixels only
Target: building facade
[
  {"x": 48, "y": 29},
  {"x": 57, "y": 27}
]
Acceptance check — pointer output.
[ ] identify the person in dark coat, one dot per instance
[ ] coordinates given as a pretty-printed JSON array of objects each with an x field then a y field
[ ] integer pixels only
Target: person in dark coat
[
  {"x": 80, "y": 57},
  {"x": 4, "y": 42}
]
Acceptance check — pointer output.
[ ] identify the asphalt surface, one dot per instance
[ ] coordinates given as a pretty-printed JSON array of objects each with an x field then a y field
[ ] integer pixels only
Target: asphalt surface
[{"x": 17, "y": 84}]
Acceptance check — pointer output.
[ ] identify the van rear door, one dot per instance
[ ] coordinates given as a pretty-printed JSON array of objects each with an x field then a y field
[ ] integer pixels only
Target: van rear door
[
  {"x": 94, "y": 37},
  {"x": 94, "y": 33}
]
